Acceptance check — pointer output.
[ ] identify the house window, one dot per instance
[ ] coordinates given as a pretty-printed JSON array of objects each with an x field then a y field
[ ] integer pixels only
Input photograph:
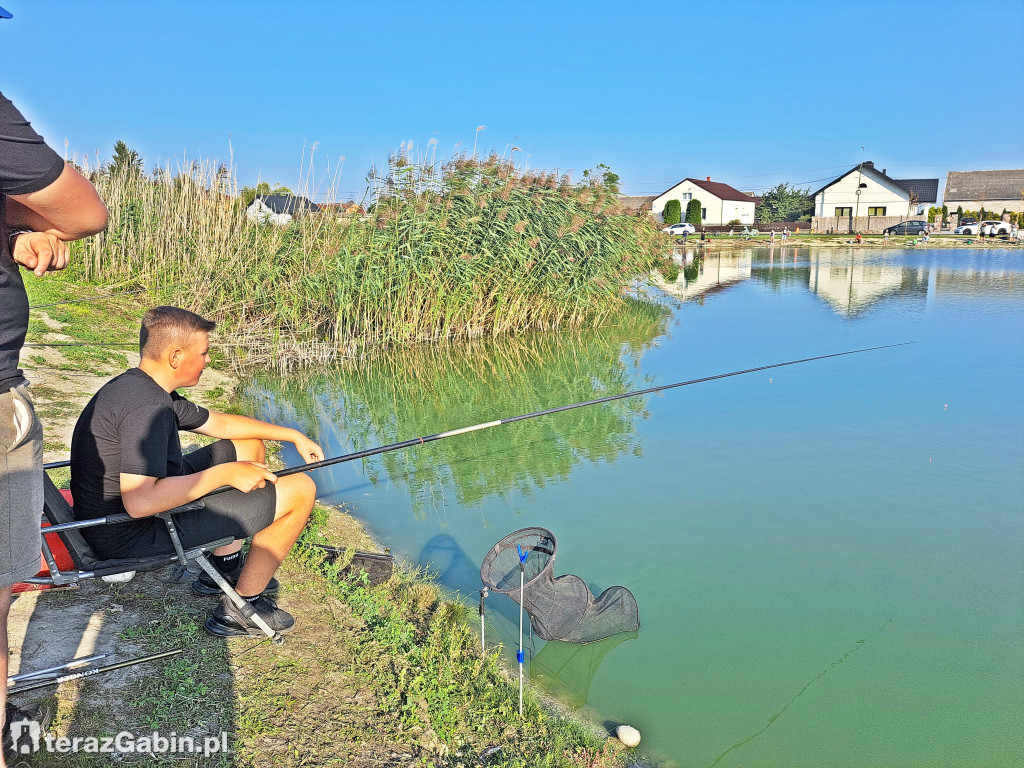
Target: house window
[
  {"x": 844, "y": 211},
  {"x": 703, "y": 213},
  {"x": 877, "y": 211},
  {"x": 688, "y": 196}
]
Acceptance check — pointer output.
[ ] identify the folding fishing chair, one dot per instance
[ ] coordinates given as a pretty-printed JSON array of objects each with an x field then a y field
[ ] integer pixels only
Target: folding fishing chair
[{"x": 88, "y": 565}]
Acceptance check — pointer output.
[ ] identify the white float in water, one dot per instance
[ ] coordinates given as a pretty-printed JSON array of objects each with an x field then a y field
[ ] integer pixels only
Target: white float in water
[{"x": 628, "y": 735}]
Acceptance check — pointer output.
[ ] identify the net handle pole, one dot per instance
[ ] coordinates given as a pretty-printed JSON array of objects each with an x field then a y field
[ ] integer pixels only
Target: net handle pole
[
  {"x": 483, "y": 642},
  {"x": 522, "y": 599}
]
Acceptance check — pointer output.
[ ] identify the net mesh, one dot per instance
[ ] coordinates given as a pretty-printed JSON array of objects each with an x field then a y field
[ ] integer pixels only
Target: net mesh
[{"x": 560, "y": 608}]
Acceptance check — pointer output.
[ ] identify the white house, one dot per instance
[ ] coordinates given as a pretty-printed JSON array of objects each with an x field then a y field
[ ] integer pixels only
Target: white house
[
  {"x": 278, "y": 209},
  {"x": 719, "y": 203},
  {"x": 866, "y": 191}
]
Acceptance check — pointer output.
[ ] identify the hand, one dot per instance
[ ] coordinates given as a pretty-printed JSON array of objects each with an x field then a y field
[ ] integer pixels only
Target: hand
[
  {"x": 307, "y": 449},
  {"x": 41, "y": 252},
  {"x": 247, "y": 476}
]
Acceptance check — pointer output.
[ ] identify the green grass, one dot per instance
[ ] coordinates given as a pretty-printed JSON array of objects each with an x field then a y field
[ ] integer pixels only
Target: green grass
[{"x": 422, "y": 658}]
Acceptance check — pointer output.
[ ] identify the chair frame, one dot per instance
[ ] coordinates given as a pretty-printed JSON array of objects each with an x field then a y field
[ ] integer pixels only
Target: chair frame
[{"x": 88, "y": 565}]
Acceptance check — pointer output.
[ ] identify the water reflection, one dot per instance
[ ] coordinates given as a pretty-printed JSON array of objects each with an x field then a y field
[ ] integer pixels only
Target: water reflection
[
  {"x": 567, "y": 669},
  {"x": 703, "y": 276},
  {"x": 849, "y": 281},
  {"x": 429, "y": 389}
]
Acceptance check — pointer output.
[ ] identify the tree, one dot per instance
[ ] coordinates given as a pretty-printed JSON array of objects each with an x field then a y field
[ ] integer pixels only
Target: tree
[
  {"x": 959, "y": 212},
  {"x": 126, "y": 161},
  {"x": 248, "y": 194},
  {"x": 609, "y": 178},
  {"x": 673, "y": 212},
  {"x": 604, "y": 176},
  {"x": 785, "y": 203},
  {"x": 693, "y": 212}
]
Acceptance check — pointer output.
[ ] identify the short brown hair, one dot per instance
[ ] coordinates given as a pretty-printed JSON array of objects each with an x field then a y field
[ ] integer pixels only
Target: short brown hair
[{"x": 164, "y": 326}]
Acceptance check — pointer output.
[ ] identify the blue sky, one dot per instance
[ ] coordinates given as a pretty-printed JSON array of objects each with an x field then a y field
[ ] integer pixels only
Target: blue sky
[{"x": 750, "y": 93}]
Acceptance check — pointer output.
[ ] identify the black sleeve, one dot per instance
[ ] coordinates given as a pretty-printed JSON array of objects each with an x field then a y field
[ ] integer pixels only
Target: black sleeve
[
  {"x": 26, "y": 163},
  {"x": 144, "y": 434},
  {"x": 190, "y": 416}
]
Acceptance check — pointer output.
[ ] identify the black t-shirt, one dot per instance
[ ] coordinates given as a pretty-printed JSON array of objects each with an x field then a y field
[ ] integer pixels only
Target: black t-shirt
[
  {"x": 26, "y": 165},
  {"x": 131, "y": 425}
]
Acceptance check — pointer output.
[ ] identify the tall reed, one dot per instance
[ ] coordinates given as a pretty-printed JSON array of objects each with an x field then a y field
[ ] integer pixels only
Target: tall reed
[{"x": 472, "y": 248}]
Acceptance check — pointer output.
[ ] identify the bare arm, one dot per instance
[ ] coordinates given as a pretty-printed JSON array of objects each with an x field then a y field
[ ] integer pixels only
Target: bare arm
[
  {"x": 230, "y": 426},
  {"x": 69, "y": 208},
  {"x": 144, "y": 496}
]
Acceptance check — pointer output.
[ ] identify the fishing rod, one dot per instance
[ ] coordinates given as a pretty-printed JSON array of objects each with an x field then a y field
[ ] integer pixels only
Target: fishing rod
[
  {"x": 487, "y": 424},
  {"x": 90, "y": 672}
]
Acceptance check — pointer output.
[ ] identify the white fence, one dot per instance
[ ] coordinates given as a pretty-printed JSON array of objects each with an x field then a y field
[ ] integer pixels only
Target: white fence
[{"x": 849, "y": 224}]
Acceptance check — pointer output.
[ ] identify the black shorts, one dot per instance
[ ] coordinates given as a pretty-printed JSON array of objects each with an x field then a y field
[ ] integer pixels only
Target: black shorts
[{"x": 229, "y": 514}]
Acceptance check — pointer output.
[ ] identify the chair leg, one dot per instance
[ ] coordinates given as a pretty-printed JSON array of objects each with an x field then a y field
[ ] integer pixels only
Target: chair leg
[{"x": 240, "y": 602}]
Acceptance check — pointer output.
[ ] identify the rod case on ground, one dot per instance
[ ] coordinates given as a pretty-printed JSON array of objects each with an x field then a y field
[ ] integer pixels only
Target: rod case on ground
[{"x": 378, "y": 568}]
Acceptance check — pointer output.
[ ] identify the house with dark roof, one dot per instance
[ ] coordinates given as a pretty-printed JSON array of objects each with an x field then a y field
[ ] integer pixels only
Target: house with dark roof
[
  {"x": 719, "y": 203},
  {"x": 636, "y": 203},
  {"x": 279, "y": 209},
  {"x": 992, "y": 190},
  {"x": 866, "y": 191}
]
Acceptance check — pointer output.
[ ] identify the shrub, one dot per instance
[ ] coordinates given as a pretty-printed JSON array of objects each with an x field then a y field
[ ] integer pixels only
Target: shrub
[
  {"x": 673, "y": 212},
  {"x": 693, "y": 212},
  {"x": 734, "y": 222}
]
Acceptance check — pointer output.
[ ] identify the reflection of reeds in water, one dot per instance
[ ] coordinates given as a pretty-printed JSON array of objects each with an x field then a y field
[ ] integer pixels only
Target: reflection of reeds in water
[
  {"x": 401, "y": 394},
  {"x": 473, "y": 248}
]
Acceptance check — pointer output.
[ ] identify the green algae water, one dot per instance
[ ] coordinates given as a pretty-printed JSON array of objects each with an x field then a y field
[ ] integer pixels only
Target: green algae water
[{"x": 827, "y": 557}]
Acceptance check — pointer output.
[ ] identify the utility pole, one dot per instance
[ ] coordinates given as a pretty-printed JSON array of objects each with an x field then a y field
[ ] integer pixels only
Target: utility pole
[{"x": 860, "y": 169}]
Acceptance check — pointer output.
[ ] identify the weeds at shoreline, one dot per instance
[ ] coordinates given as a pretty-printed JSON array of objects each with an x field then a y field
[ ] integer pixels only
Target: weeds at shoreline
[{"x": 417, "y": 651}]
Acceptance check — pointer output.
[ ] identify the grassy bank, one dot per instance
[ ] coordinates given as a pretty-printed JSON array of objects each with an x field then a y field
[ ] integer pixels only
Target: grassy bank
[
  {"x": 471, "y": 248},
  {"x": 846, "y": 240},
  {"x": 385, "y": 675}
]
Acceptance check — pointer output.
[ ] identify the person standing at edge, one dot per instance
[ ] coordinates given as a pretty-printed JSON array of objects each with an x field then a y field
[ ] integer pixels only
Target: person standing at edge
[{"x": 44, "y": 203}]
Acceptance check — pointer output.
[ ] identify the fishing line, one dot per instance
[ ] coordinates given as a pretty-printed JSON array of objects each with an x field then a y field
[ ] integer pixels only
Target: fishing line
[
  {"x": 84, "y": 344},
  {"x": 158, "y": 289}
]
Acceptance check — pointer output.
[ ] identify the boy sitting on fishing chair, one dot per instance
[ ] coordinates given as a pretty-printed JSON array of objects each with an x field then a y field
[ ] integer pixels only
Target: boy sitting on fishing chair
[{"x": 126, "y": 457}]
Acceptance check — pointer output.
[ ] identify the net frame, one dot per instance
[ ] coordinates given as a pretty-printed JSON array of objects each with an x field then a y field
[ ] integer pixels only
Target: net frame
[{"x": 562, "y": 607}]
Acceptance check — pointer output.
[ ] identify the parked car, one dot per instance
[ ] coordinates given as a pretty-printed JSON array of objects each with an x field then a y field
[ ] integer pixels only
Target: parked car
[
  {"x": 985, "y": 227},
  {"x": 910, "y": 227},
  {"x": 680, "y": 229}
]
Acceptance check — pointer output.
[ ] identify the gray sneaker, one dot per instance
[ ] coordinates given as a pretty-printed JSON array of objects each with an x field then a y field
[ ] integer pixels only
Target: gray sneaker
[{"x": 229, "y": 621}]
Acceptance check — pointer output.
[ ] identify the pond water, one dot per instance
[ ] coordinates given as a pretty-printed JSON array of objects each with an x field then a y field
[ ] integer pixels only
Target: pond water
[{"x": 827, "y": 557}]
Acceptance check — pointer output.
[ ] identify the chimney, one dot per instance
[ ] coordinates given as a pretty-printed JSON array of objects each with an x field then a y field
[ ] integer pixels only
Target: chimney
[
  {"x": 883, "y": 171},
  {"x": 709, "y": 178},
  {"x": 869, "y": 163}
]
